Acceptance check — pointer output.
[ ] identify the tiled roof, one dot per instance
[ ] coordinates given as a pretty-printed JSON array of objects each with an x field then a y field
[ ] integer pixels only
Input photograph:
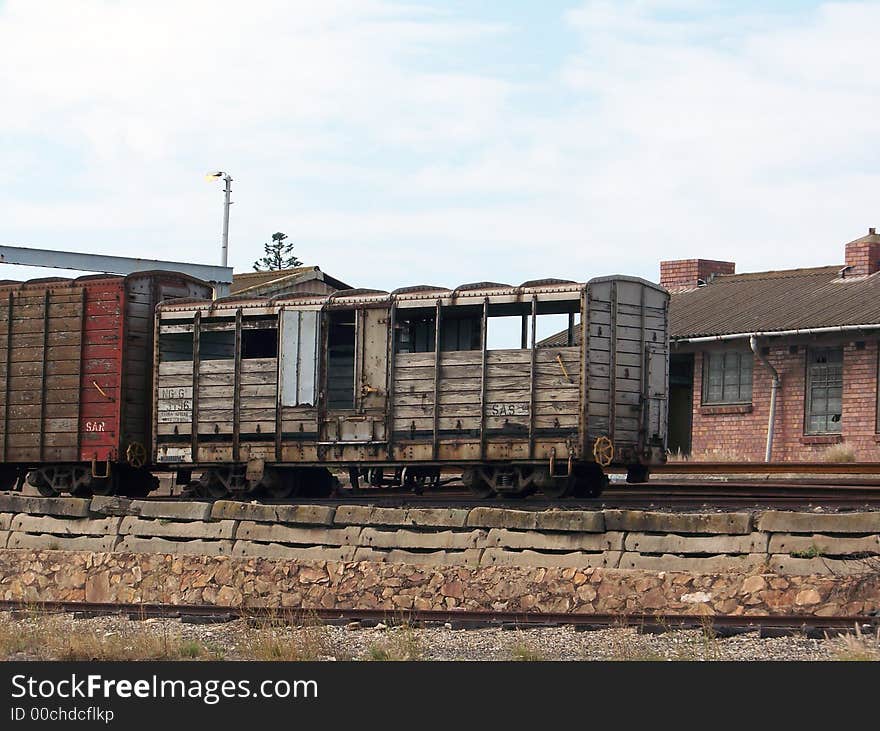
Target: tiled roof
[{"x": 791, "y": 299}]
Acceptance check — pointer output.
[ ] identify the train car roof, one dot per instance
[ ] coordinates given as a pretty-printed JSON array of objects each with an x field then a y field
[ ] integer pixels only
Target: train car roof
[
  {"x": 39, "y": 282},
  {"x": 415, "y": 296}
]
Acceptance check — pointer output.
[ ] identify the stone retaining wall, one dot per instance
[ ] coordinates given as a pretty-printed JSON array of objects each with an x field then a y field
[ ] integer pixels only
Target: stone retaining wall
[
  {"x": 784, "y": 543},
  {"x": 232, "y": 581}
]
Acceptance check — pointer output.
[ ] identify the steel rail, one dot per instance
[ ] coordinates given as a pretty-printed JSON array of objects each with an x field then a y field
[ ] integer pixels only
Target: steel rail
[
  {"x": 462, "y": 619},
  {"x": 763, "y": 468}
]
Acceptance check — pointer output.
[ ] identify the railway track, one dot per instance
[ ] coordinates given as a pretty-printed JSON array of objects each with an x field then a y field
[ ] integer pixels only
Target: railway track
[
  {"x": 682, "y": 495},
  {"x": 665, "y": 493},
  {"x": 720, "y": 625}
]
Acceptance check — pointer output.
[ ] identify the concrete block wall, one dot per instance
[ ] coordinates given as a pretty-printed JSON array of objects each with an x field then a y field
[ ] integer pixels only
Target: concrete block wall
[{"x": 786, "y": 542}]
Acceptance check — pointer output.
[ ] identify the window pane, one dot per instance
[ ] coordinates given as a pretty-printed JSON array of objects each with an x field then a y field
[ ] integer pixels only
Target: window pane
[
  {"x": 825, "y": 390},
  {"x": 728, "y": 377}
]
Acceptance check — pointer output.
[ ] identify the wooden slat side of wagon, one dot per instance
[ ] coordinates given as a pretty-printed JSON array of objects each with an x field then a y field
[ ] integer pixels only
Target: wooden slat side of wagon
[
  {"x": 253, "y": 391},
  {"x": 75, "y": 377}
]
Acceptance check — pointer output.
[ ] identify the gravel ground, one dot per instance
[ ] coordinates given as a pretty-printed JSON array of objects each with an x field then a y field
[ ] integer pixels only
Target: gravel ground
[{"x": 36, "y": 636}]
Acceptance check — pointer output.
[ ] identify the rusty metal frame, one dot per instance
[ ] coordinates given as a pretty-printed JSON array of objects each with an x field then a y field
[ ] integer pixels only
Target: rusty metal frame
[
  {"x": 279, "y": 405},
  {"x": 484, "y": 330},
  {"x": 154, "y": 415},
  {"x": 121, "y": 404},
  {"x": 389, "y": 380},
  {"x": 236, "y": 389},
  {"x": 612, "y": 366},
  {"x": 437, "y": 321},
  {"x": 44, "y": 364},
  {"x": 532, "y": 365},
  {"x": 194, "y": 437},
  {"x": 7, "y": 385},
  {"x": 644, "y": 380},
  {"x": 585, "y": 371},
  {"x": 360, "y": 346},
  {"x": 321, "y": 399},
  {"x": 154, "y": 300}
]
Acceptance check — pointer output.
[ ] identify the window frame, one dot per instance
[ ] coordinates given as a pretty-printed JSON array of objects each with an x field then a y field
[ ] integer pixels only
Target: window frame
[
  {"x": 808, "y": 392},
  {"x": 744, "y": 356}
]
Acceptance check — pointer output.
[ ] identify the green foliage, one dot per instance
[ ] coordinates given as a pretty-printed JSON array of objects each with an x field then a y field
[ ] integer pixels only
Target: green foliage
[
  {"x": 278, "y": 255},
  {"x": 812, "y": 552},
  {"x": 191, "y": 649}
]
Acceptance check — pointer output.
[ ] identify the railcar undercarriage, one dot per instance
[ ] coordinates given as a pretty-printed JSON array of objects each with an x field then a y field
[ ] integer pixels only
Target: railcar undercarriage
[{"x": 586, "y": 480}]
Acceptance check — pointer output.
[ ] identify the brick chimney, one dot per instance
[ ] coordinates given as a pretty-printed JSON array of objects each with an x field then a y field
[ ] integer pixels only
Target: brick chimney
[
  {"x": 863, "y": 255},
  {"x": 683, "y": 274}
]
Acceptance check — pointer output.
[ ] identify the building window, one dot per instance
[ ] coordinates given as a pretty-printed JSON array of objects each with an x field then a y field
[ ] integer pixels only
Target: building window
[
  {"x": 727, "y": 377},
  {"x": 824, "y": 390}
]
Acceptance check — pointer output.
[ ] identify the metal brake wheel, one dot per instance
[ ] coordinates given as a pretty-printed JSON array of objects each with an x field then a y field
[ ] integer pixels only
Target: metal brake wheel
[
  {"x": 136, "y": 454},
  {"x": 603, "y": 451}
]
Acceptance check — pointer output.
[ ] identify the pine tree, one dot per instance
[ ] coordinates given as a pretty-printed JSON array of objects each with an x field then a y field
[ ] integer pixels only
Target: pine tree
[{"x": 278, "y": 255}]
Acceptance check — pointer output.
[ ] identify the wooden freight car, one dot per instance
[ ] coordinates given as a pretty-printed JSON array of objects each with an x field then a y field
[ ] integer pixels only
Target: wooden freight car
[
  {"x": 75, "y": 379},
  {"x": 264, "y": 393}
]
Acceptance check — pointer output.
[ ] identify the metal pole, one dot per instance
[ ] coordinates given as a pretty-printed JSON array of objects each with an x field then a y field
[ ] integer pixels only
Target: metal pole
[
  {"x": 227, "y": 202},
  {"x": 774, "y": 387}
]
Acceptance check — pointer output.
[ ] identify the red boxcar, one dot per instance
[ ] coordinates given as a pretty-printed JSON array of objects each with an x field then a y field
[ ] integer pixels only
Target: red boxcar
[{"x": 75, "y": 379}]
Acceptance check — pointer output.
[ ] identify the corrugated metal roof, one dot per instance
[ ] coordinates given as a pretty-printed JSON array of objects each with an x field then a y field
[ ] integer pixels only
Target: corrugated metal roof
[
  {"x": 262, "y": 282},
  {"x": 779, "y": 300},
  {"x": 791, "y": 299},
  {"x": 246, "y": 280},
  {"x": 560, "y": 339}
]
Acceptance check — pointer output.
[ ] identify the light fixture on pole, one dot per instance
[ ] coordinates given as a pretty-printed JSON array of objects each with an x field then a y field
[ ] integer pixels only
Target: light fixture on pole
[{"x": 227, "y": 178}]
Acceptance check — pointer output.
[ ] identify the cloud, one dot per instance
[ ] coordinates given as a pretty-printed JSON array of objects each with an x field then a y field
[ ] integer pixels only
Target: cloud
[{"x": 389, "y": 141}]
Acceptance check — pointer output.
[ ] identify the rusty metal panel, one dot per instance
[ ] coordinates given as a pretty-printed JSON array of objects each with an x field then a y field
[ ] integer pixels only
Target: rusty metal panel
[
  {"x": 374, "y": 358},
  {"x": 62, "y": 370},
  {"x": 102, "y": 368}
]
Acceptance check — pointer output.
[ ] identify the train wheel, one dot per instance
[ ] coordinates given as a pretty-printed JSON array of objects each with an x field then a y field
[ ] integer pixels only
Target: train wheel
[
  {"x": 103, "y": 486},
  {"x": 474, "y": 481},
  {"x": 521, "y": 493},
  {"x": 283, "y": 484},
  {"x": 636, "y": 473},
  {"x": 558, "y": 488},
  {"x": 210, "y": 486},
  {"x": 317, "y": 482},
  {"x": 52, "y": 481},
  {"x": 280, "y": 491},
  {"x": 36, "y": 480}
]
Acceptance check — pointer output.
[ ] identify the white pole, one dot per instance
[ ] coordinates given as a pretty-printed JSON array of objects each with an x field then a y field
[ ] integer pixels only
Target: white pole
[{"x": 227, "y": 202}]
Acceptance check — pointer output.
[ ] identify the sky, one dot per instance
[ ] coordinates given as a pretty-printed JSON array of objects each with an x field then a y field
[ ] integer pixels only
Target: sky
[{"x": 420, "y": 142}]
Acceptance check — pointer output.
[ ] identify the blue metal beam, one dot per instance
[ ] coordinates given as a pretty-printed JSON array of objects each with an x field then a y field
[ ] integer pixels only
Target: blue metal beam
[{"x": 219, "y": 276}]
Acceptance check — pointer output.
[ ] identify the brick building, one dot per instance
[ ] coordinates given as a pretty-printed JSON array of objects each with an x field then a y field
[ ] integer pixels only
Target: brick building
[{"x": 814, "y": 331}]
